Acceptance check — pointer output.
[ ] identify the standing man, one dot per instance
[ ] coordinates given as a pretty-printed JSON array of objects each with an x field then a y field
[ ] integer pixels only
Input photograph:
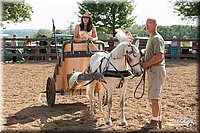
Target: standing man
[{"x": 154, "y": 64}]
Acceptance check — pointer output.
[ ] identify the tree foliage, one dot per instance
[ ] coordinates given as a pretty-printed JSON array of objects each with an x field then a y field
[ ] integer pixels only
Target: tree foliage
[
  {"x": 189, "y": 9},
  {"x": 168, "y": 31},
  {"x": 16, "y": 11},
  {"x": 59, "y": 31},
  {"x": 109, "y": 15},
  {"x": 41, "y": 32}
]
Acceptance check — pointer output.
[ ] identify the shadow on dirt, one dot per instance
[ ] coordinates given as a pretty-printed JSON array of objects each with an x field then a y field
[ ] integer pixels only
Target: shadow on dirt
[{"x": 61, "y": 117}]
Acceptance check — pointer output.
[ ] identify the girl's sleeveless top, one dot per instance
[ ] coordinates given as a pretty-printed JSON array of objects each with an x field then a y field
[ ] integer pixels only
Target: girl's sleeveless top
[{"x": 84, "y": 35}]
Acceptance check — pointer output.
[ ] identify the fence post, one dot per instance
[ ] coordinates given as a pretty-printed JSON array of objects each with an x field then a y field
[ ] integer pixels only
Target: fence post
[
  {"x": 4, "y": 51},
  {"x": 48, "y": 50},
  {"x": 179, "y": 49}
]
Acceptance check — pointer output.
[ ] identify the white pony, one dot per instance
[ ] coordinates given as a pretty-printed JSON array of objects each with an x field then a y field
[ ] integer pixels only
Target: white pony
[{"x": 117, "y": 68}]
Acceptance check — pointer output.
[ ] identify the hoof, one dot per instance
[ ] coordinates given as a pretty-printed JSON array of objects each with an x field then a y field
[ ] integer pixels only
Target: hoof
[
  {"x": 91, "y": 113},
  {"x": 123, "y": 124},
  {"x": 109, "y": 123}
]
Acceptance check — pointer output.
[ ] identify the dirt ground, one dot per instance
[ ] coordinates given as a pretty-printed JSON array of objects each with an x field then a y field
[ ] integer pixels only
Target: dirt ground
[{"x": 25, "y": 109}]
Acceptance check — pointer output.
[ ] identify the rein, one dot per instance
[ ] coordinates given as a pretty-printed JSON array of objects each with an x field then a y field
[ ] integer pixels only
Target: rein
[
  {"x": 121, "y": 82},
  {"x": 108, "y": 62},
  {"x": 142, "y": 79}
]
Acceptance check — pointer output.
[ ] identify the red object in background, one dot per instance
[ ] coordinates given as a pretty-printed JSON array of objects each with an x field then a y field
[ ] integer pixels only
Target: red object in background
[
  {"x": 195, "y": 46},
  {"x": 54, "y": 28},
  {"x": 111, "y": 43}
]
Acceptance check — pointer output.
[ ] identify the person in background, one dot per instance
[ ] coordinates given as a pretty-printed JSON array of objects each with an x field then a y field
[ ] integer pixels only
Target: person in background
[
  {"x": 154, "y": 64},
  {"x": 43, "y": 43},
  {"x": 27, "y": 43},
  {"x": 185, "y": 44},
  {"x": 86, "y": 29},
  {"x": 13, "y": 50},
  {"x": 174, "y": 44},
  {"x": 195, "y": 47}
]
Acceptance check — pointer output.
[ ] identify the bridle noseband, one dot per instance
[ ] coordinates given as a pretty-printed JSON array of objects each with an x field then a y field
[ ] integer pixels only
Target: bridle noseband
[{"x": 128, "y": 58}]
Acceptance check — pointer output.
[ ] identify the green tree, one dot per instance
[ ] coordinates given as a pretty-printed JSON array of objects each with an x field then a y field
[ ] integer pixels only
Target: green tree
[
  {"x": 16, "y": 11},
  {"x": 138, "y": 30},
  {"x": 109, "y": 15},
  {"x": 168, "y": 31},
  {"x": 59, "y": 31},
  {"x": 70, "y": 30},
  {"x": 41, "y": 32},
  {"x": 187, "y": 9}
]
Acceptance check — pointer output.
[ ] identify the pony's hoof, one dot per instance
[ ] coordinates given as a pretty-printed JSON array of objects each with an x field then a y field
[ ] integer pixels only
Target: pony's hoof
[
  {"x": 123, "y": 123},
  {"x": 91, "y": 113},
  {"x": 109, "y": 123}
]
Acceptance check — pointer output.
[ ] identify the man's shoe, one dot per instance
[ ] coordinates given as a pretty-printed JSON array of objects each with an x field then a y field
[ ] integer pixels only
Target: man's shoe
[
  {"x": 152, "y": 125},
  {"x": 160, "y": 124}
]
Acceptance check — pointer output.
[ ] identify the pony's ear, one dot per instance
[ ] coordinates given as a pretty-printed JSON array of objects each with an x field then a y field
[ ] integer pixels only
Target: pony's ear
[{"x": 137, "y": 43}]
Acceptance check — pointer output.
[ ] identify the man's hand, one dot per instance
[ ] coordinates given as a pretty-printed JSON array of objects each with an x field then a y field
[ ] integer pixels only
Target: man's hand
[{"x": 145, "y": 65}]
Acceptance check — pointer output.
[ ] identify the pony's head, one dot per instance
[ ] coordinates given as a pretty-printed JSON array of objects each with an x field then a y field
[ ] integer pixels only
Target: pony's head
[
  {"x": 132, "y": 54},
  {"x": 121, "y": 36},
  {"x": 133, "y": 59}
]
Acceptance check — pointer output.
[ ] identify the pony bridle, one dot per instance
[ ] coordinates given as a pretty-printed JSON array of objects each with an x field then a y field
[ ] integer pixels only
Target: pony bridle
[{"x": 128, "y": 58}]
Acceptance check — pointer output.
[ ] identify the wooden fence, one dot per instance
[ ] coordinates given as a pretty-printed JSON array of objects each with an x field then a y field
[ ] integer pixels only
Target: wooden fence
[
  {"x": 33, "y": 51},
  {"x": 35, "y": 54},
  {"x": 194, "y": 50}
]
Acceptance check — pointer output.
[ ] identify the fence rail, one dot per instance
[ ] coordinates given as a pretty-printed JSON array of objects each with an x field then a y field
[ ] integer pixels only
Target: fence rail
[{"x": 33, "y": 52}]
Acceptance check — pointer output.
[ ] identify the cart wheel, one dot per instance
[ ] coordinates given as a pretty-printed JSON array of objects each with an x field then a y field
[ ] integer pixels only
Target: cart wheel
[
  {"x": 51, "y": 91},
  {"x": 55, "y": 71}
]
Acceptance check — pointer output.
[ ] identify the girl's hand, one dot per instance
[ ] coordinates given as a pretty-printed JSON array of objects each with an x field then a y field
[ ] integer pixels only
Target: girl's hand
[{"x": 90, "y": 38}]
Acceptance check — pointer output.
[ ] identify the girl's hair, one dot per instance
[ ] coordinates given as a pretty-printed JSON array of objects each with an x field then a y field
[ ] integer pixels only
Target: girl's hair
[{"x": 89, "y": 24}]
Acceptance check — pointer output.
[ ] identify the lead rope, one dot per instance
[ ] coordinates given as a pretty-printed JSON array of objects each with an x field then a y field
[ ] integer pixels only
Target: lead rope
[{"x": 142, "y": 78}]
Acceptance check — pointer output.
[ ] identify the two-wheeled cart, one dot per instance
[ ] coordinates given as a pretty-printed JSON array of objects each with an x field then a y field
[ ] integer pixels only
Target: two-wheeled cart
[{"x": 70, "y": 71}]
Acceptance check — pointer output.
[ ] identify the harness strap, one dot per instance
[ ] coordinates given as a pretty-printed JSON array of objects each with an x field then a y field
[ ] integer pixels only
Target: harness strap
[
  {"x": 111, "y": 73},
  {"x": 115, "y": 69},
  {"x": 101, "y": 64},
  {"x": 95, "y": 72},
  {"x": 89, "y": 82},
  {"x": 121, "y": 83},
  {"x": 122, "y": 77}
]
